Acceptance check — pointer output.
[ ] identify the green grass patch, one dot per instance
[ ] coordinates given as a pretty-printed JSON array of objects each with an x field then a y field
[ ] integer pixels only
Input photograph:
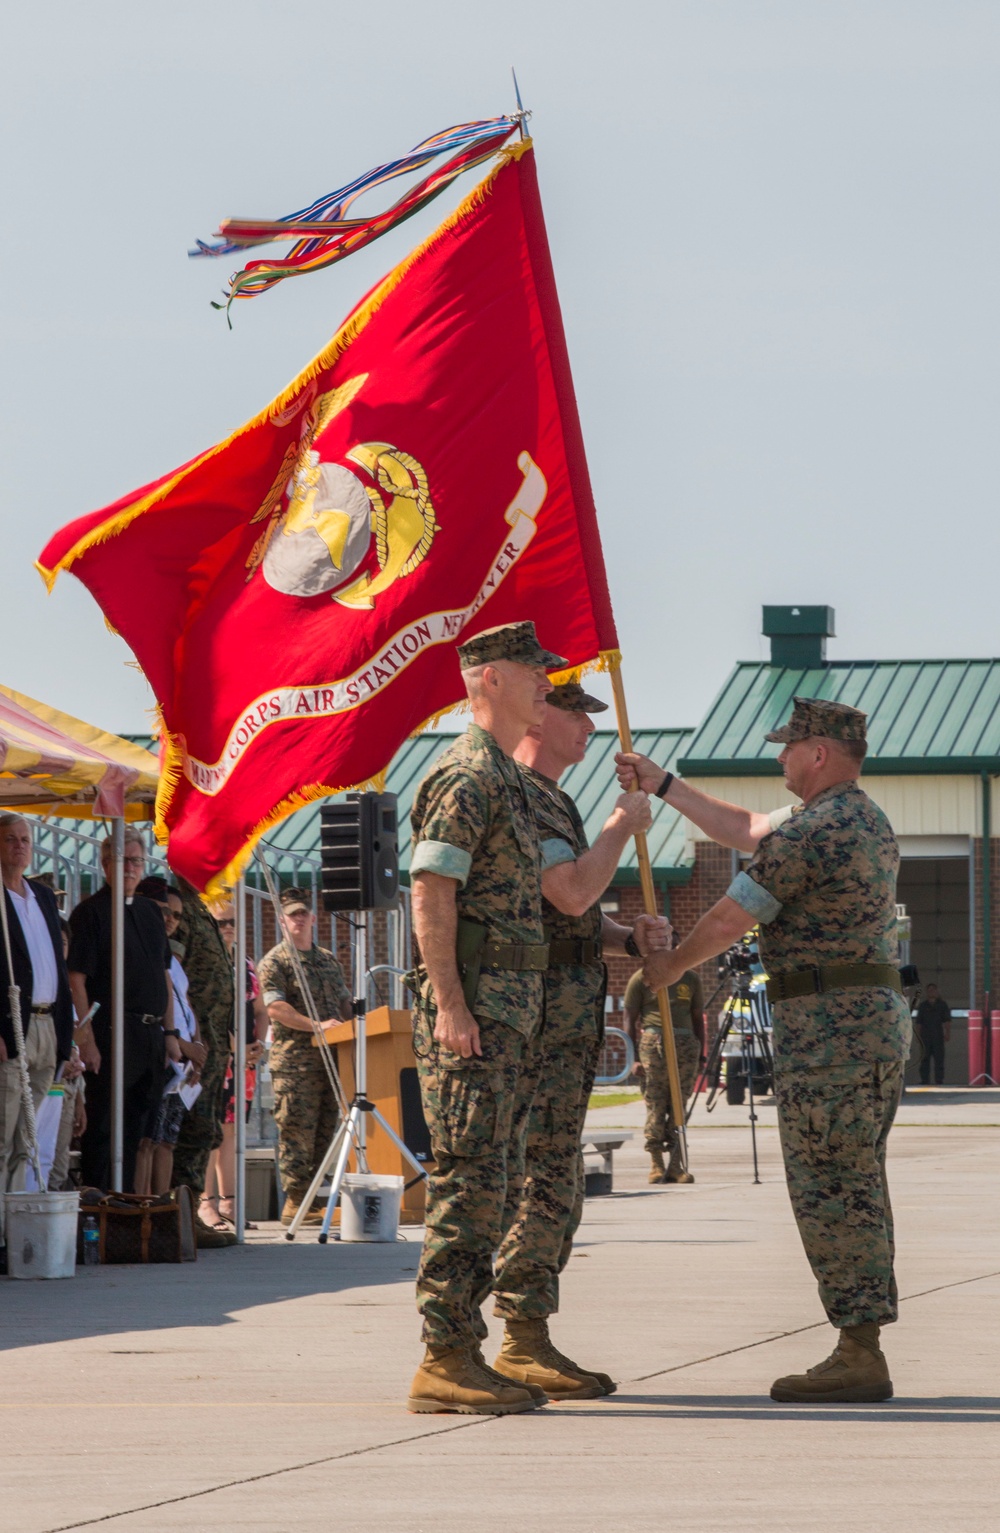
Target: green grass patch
[{"x": 614, "y": 1098}]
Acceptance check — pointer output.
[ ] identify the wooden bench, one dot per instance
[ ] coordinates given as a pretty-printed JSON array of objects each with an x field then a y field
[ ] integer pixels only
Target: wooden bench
[{"x": 605, "y": 1141}]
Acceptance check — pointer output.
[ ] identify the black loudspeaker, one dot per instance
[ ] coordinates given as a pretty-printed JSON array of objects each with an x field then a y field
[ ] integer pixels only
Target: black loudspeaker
[
  {"x": 358, "y": 852},
  {"x": 415, "y": 1134}
]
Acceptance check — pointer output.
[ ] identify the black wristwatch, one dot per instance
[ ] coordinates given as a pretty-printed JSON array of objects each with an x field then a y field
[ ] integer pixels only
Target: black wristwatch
[
  {"x": 631, "y": 946},
  {"x": 664, "y": 788},
  {"x": 170, "y": 1032}
]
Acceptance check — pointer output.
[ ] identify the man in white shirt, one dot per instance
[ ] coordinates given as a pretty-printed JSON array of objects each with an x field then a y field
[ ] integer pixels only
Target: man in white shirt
[{"x": 46, "y": 1007}]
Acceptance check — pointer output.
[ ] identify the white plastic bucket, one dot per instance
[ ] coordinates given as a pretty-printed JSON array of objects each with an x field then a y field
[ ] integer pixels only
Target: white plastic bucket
[
  {"x": 41, "y": 1234},
  {"x": 369, "y": 1206}
]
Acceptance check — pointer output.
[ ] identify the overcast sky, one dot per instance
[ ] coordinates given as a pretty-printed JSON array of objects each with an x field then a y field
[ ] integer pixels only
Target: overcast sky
[{"x": 776, "y": 236}]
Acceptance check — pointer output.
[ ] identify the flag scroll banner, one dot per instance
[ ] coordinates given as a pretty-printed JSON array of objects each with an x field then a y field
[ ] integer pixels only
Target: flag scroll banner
[{"x": 295, "y": 594}]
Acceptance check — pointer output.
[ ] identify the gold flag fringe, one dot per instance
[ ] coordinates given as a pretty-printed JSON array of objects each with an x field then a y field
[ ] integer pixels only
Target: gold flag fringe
[
  {"x": 221, "y": 884},
  {"x": 608, "y": 660}
]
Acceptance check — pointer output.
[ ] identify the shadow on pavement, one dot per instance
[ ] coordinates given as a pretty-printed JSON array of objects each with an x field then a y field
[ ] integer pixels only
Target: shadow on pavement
[
  {"x": 911, "y": 1409},
  {"x": 107, "y": 1301}
]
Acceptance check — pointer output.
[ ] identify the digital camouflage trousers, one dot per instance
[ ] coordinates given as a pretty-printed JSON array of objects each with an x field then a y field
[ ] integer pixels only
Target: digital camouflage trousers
[
  {"x": 545, "y": 1202},
  {"x": 477, "y": 1114},
  {"x": 834, "y": 1124},
  {"x": 660, "y": 1133},
  {"x": 201, "y": 1127},
  {"x": 305, "y": 1113}
]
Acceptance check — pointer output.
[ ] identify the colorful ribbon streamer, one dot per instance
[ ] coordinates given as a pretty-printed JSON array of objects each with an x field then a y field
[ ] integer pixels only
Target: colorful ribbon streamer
[{"x": 325, "y": 235}]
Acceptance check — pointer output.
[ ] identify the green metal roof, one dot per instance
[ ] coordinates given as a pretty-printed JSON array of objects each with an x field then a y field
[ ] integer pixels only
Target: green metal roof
[
  {"x": 924, "y": 716},
  {"x": 591, "y": 783}
]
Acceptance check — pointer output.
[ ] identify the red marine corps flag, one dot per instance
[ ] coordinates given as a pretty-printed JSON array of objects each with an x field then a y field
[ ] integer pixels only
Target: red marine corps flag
[{"x": 295, "y": 593}]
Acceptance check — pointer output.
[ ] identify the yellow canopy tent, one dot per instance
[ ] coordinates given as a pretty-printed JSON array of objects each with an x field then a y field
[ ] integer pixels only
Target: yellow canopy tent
[{"x": 51, "y": 763}]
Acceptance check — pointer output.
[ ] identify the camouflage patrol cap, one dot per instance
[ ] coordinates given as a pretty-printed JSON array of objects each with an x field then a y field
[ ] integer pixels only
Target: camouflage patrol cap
[
  {"x": 294, "y": 899},
  {"x": 513, "y": 641},
  {"x": 571, "y": 698},
  {"x": 811, "y": 717}
]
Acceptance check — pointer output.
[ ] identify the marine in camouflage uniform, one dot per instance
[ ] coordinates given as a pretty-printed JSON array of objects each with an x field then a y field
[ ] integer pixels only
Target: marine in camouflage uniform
[
  {"x": 209, "y": 969},
  {"x": 545, "y": 1204},
  {"x": 544, "y": 1207},
  {"x": 472, "y": 824},
  {"x": 822, "y": 886},
  {"x": 305, "y": 1108},
  {"x": 687, "y": 1008}
]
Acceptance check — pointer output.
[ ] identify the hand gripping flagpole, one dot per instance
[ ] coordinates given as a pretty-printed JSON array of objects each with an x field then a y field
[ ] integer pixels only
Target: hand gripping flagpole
[{"x": 649, "y": 901}]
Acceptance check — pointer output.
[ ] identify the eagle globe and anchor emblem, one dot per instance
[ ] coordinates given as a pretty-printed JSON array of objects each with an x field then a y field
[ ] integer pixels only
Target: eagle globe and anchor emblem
[{"x": 333, "y": 516}]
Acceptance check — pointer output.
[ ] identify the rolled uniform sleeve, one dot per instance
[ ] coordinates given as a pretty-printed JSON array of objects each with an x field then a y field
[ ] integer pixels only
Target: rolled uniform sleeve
[
  {"x": 441, "y": 857},
  {"x": 271, "y": 977},
  {"x": 782, "y": 869},
  {"x": 554, "y": 851},
  {"x": 754, "y": 898},
  {"x": 454, "y": 824}
]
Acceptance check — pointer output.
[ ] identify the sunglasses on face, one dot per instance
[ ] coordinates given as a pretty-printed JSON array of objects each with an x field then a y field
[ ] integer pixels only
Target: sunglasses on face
[{"x": 227, "y": 921}]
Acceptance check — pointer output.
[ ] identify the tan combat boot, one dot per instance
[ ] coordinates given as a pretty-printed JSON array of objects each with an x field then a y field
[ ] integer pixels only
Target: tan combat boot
[
  {"x": 657, "y": 1170},
  {"x": 529, "y": 1357},
  {"x": 538, "y": 1395},
  {"x": 855, "y": 1373},
  {"x": 290, "y": 1208},
  {"x": 449, "y": 1380},
  {"x": 675, "y": 1170}
]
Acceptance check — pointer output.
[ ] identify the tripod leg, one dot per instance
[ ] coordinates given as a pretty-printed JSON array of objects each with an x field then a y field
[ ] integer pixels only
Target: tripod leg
[
  {"x": 317, "y": 1180},
  {"x": 714, "y": 1062},
  {"x": 351, "y": 1128},
  {"x": 748, "y": 1061},
  {"x": 391, "y": 1134}
]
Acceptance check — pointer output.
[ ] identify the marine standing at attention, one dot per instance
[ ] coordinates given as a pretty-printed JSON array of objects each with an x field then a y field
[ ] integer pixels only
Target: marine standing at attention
[
  {"x": 477, "y": 918},
  {"x": 644, "y": 1026},
  {"x": 821, "y": 884},
  {"x": 545, "y": 1206},
  {"x": 305, "y": 1108}
]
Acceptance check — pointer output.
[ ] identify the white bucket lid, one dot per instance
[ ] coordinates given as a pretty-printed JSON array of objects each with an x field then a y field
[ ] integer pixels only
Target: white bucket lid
[{"x": 371, "y": 1179}]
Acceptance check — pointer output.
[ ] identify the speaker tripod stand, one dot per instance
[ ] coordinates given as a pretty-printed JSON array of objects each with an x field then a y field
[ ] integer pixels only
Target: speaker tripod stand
[{"x": 352, "y": 1132}]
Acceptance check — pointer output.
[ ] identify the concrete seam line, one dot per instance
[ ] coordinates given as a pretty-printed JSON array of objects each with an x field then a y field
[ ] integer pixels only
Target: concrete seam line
[
  {"x": 269, "y": 1474},
  {"x": 765, "y": 1341}
]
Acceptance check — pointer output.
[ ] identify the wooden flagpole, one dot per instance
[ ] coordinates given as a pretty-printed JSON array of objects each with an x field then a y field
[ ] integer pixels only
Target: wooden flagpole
[{"x": 649, "y": 901}]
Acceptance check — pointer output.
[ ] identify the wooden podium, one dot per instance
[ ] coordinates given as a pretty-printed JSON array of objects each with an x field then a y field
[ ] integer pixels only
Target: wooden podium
[{"x": 391, "y": 1083}]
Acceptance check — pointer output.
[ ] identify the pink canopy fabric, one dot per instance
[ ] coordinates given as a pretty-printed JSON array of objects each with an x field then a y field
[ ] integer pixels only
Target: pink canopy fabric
[{"x": 52, "y": 763}]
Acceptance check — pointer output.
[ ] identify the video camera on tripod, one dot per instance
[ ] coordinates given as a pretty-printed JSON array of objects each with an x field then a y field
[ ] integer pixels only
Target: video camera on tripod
[
  {"x": 741, "y": 1050},
  {"x": 744, "y": 1055}
]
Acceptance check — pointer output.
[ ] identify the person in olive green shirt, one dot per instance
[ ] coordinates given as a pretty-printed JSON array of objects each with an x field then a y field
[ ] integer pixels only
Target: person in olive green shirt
[{"x": 642, "y": 1018}]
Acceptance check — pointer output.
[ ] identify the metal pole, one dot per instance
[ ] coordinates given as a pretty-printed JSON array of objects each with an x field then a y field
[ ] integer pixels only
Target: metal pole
[
  {"x": 972, "y": 923},
  {"x": 649, "y": 902},
  {"x": 361, "y": 1040},
  {"x": 117, "y": 1005},
  {"x": 987, "y": 898},
  {"x": 240, "y": 1054}
]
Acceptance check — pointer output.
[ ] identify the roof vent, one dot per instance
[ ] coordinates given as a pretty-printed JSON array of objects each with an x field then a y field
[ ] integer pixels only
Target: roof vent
[{"x": 798, "y": 635}]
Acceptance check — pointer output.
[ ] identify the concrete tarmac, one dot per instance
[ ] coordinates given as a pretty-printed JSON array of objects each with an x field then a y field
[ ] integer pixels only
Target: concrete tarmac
[{"x": 263, "y": 1388}]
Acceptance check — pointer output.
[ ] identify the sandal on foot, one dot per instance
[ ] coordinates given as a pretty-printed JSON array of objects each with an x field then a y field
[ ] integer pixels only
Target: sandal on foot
[
  {"x": 205, "y": 1207},
  {"x": 230, "y": 1218}
]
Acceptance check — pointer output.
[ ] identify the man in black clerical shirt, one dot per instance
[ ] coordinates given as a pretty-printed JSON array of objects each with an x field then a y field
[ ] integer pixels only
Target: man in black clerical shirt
[{"x": 149, "y": 1012}]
